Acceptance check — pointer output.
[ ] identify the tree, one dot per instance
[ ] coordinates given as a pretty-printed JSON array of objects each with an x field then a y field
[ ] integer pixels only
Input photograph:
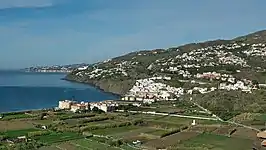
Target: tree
[
  {"x": 255, "y": 82},
  {"x": 97, "y": 110},
  {"x": 42, "y": 115},
  {"x": 2, "y": 137}
]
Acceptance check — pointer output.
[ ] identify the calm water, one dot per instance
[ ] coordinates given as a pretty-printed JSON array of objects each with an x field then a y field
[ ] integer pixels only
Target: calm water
[{"x": 23, "y": 91}]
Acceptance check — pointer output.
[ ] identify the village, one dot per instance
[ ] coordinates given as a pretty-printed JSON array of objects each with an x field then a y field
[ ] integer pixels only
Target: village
[
  {"x": 148, "y": 89},
  {"x": 151, "y": 88}
]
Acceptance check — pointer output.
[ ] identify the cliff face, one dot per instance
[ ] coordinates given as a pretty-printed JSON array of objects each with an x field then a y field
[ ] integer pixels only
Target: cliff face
[
  {"x": 118, "y": 75},
  {"x": 107, "y": 85}
]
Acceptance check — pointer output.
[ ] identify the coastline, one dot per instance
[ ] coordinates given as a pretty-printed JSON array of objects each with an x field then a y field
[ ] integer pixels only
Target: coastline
[
  {"x": 45, "y": 72},
  {"x": 94, "y": 86},
  {"x": 74, "y": 81},
  {"x": 10, "y": 107},
  {"x": 27, "y": 110}
]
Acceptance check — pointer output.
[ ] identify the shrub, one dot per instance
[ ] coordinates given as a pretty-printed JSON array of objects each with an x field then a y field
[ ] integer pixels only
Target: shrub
[
  {"x": 94, "y": 119},
  {"x": 170, "y": 132},
  {"x": 3, "y": 137},
  {"x": 38, "y": 133},
  {"x": 111, "y": 125},
  {"x": 76, "y": 116}
]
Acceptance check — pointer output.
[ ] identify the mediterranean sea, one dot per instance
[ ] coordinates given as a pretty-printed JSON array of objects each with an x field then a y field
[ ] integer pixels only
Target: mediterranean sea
[{"x": 26, "y": 91}]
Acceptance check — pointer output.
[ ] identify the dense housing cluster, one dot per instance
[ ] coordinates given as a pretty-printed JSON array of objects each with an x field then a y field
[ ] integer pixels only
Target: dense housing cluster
[
  {"x": 205, "y": 69},
  {"x": 74, "y": 106}
]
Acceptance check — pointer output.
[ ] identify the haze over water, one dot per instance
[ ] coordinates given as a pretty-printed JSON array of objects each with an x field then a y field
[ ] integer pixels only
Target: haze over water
[{"x": 24, "y": 91}]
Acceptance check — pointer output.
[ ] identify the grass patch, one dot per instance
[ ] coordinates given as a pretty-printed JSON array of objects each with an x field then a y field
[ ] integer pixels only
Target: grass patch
[
  {"x": 92, "y": 144},
  {"x": 262, "y": 117},
  {"x": 15, "y": 125},
  {"x": 157, "y": 132},
  {"x": 17, "y": 116},
  {"x": 100, "y": 122},
  {"x": 175, "y": 120},
  {"x": 163, "y": 124},
  {"x": 58, "y": 137},
  {"x": 111, "y": 131},
  {"x": 17, "y": 133},
  {"x": 43, "y": 122},
  {"x": 212, "y": 141}
]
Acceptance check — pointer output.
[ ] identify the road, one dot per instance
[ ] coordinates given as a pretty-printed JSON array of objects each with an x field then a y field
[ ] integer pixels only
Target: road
[
  {"x": 218, "y": 118},
  {"x": 242, "y": 125},
  {"x": 172, "y": 115},
  {"x": 215, "y": 117}
]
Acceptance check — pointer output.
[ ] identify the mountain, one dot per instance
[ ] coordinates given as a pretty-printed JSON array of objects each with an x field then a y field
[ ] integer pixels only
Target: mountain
[{"x": 241, "y": 58}]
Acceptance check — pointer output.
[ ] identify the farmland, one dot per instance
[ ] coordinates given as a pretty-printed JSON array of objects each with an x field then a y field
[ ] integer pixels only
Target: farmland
[
  {"x": 14, "y": 125},
  {"x": 212, "y": 141},
  {"x": 117, "y": 130}
]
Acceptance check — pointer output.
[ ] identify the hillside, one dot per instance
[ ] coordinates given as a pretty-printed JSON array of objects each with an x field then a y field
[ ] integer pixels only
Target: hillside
[{"x": 237, "y": 64}]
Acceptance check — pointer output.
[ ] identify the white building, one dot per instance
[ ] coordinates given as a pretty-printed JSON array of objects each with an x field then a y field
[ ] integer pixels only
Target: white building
[
  {"x": 106, "y": 106},
  {"x": 81, "y": 106},
  {"x": 66, "y": 104}
]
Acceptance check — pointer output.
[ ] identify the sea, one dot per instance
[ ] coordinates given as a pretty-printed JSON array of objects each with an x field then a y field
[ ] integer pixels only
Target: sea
[{"x": 29, "y": 90}]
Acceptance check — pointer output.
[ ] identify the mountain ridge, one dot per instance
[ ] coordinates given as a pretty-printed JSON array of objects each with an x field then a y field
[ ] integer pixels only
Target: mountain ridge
[{"x": 135, "y": 64}]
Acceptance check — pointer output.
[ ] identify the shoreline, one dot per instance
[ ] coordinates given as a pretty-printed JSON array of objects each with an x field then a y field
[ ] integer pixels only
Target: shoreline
[
  {"x": 74, "y": 81},
  {"x": 26, "y": 110},
  {"x": 44, "y": 72},
  {"x": 94, "y": 86},
  {"x": 115, "y": 97}
]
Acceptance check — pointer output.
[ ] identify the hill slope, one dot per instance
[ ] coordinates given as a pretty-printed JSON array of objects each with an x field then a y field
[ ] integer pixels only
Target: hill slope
[{"x": 241, "y": 58}]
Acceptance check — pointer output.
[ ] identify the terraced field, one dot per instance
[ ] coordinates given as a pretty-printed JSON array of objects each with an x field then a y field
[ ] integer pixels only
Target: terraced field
[
  {"x": 216, "y": 142},
  {"x": 123, "y": 131}
]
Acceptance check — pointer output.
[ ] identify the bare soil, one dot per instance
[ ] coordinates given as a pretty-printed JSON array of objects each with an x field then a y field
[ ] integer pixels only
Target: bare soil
[
  {"x": 15, "y": 125},
  {"x": 171, "y": 140}
]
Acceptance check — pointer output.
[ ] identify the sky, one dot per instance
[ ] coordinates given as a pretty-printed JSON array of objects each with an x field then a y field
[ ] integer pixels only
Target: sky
[{"x": 54, "y": 32}]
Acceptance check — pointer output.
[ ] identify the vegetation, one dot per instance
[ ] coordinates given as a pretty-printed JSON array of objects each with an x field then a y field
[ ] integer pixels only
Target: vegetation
[
  {"x": 229, "y": 104},
  {"x": 17, "y": 133},
  {"x": 38, "y": 133},
  {"x": 17, "y": 115},
  {"x": 213, "y": 141},
  {"x": 49, "y": 139},
  {"x": 112, "y": 131},
  {"x": 112, "y": 125},
  {"x": 76, "y": 116},
  {"x": 94, "y": 119}
]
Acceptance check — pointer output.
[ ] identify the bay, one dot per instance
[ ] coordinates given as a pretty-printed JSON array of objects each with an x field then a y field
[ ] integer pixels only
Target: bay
[{"x": 26, "y": 91}]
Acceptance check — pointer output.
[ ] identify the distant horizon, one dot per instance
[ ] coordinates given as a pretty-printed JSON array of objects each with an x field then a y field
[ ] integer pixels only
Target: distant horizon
[
  {"x": 15, "y": 69},
  {"x": 50, "y": 32}
]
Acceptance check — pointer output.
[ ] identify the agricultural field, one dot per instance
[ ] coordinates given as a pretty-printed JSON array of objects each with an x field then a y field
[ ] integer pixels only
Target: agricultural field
[
  {"x": 58, "y": 137},
  {"x": 17, "y": 116},
  {"x": 114, "y": 131},
  {"x": 171, "y": 140},
  {"x": 63, "y": 130},
  {"x": 216, "y": 142},
  {"x": 245, "y": 133},
  {"x": 85, "y": 144},
  {"x": 14, "y": 125},
  {"x": 17, "y": 133},
  {"x": 204, "y": 128}
]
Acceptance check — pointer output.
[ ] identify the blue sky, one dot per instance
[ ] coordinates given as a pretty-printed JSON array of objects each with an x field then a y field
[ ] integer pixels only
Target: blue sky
[{"x": 47, "y": 32}]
